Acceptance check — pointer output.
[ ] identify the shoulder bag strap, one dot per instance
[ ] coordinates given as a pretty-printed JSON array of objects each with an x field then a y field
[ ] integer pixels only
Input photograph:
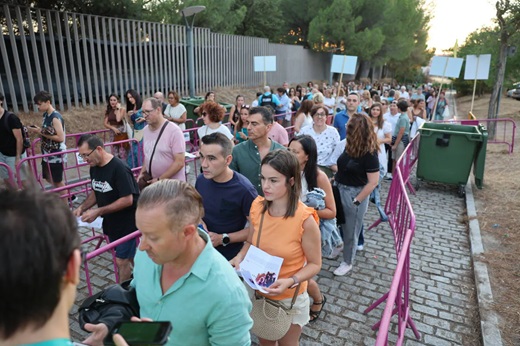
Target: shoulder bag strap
[
  {"x": 258, "y": 243},
  {"x": 155, "y": 146},
  {"x": 260, "y": 230},
  {"x": 6, "y": 119}
]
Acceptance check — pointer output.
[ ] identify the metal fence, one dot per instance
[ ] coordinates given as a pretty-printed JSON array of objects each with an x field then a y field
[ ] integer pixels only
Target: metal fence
[{"x": 81, "y": 59}]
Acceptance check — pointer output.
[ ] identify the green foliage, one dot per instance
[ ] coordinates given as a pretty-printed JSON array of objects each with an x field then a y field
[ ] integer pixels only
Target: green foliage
[
  {"x": 391, "y": 32},
  {"x": 298, "y": 15},
  {"x": 484, "y": 41},
  {"x": 263, "y": 18}
]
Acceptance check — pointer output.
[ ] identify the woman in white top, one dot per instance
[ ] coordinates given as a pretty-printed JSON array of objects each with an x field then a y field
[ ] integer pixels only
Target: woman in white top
[
  {"x": 303, "y": 117},
  {"x": 175, "y": 111},
  {"x": 383, "y": 131},
  {"x": 304, "y": 147},
  {"x": 325, "y": 136},
  {"x": 212, "y": 114}
]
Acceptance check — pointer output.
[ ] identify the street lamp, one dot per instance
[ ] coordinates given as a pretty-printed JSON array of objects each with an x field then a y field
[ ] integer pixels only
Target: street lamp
[{"x": 191, "y": 12}]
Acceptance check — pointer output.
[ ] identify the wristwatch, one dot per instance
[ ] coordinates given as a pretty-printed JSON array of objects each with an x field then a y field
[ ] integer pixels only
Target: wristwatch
[
  {"x": 225, "y": 239},
  {"x": 356, "y": 202}
]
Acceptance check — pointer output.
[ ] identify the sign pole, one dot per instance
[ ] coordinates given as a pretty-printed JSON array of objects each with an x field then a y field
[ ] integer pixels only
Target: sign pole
[
  {"x": 265, "y": 74},
  {"x": 474, "y": 86},
  {"x": 440, "y": 89},
  {"x": 341, "y": 78}
]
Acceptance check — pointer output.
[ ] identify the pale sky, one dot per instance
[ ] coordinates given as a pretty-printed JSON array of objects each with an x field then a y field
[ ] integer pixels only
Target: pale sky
[{"x": 456, "y": 19}]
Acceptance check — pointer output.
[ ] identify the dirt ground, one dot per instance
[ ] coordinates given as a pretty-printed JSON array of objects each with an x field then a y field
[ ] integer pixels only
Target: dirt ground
[
  {"x": 498, "y": 211},
  {"x": 88, "y": 119}
]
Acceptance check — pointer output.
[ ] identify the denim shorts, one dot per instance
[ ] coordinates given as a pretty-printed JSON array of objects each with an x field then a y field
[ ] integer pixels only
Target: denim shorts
[{"x": 125, "y": 250}]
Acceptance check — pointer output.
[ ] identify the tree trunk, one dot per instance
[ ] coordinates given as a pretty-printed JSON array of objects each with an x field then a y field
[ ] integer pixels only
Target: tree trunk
[
  {"x": 377, "y": 72},
  {"x": 497, "y": 88},
  {"x": 364, "y": 69}
]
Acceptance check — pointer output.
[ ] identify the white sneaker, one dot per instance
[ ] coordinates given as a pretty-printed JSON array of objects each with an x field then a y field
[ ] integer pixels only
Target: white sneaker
[
  {"x": 360, "y": 247},
  {"x": 335, "y": 252},
  {"x": 343, "y": 269}
]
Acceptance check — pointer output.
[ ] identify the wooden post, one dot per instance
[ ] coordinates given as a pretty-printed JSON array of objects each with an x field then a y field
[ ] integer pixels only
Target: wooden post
[
  {"x": 440, "y": 89},
  {"x": 474, "y": 85}
]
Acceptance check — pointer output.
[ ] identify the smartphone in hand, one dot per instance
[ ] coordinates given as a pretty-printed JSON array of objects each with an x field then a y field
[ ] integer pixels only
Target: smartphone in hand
[{"x": 141, "y": 333}]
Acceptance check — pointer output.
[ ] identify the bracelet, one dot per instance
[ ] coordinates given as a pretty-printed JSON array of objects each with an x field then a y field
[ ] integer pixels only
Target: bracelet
[{"x": 296, "y": 281}]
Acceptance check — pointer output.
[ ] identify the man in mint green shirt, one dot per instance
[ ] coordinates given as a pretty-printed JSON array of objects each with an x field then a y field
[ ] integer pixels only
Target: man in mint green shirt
[
  {"x": 400, "y": 137},
  {"x": 248, "y": 155},
  {"x": 179, "y": 276}
]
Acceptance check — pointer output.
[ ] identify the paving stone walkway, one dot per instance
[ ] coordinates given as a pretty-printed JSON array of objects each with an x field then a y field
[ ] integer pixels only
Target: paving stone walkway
[{"x": 443, "y": 298}]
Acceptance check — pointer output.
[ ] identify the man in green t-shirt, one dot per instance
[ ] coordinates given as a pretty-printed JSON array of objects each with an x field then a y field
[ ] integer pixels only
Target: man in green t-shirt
[{"x": 248, "y": 155}]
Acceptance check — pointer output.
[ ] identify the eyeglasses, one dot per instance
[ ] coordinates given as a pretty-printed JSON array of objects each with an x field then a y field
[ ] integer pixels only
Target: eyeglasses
[
  {"x": 320, "y": 115},
  {"x": 148, "y": 111},
  {"x": 84, "y": 156}
]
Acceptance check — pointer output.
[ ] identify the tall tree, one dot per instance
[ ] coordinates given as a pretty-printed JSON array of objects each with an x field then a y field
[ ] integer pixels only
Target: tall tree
[
  {"x": 341, "y": 26},
  {"x": 222, "y": 16},
  {"x": 298, "y": 15},
  {"x": 508, "y": 19},
  {"x": 263, "y": 18}
]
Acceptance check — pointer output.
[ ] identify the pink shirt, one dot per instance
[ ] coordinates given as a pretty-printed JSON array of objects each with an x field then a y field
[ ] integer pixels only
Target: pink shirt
[
  {"x": 171, "y": 142},
  {"x": 279, "y": 134}
]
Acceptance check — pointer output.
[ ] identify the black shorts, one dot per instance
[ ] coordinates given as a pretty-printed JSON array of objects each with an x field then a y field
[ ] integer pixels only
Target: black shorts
[{"x": 56, "y": 171}]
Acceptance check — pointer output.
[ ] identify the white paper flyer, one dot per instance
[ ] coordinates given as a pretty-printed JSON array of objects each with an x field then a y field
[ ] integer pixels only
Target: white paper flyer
[
  {"x": 259, "y": 269},
  {"x": 97, "y": 223}
]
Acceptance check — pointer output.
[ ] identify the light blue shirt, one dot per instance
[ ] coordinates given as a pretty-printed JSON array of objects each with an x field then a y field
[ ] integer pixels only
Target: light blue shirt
[
  {"x": 207, "y": 306},
  {"x": 53, "y": 342}
]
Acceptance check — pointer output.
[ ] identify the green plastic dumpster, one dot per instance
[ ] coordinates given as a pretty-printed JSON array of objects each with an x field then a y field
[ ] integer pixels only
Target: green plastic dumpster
[
  {"x": 447, "y": 152},
  {"x": 192, "y": 103},
  {"x": 480, "y": 159}
]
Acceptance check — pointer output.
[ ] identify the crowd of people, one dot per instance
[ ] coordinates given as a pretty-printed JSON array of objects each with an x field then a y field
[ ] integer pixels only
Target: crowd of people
[{"x": 300, "y": 197}]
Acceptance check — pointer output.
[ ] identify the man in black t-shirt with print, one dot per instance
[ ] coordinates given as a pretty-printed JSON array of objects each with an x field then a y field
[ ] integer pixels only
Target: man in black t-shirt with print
[{"x": 115, "y": 193}]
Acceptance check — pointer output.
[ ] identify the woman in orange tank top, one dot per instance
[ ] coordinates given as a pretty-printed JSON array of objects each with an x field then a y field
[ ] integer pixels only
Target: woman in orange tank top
[{"x": 289, "y": 230}]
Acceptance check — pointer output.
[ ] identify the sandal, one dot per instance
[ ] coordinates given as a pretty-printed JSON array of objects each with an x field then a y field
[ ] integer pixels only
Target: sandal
[{"x": 314, "y": 315}]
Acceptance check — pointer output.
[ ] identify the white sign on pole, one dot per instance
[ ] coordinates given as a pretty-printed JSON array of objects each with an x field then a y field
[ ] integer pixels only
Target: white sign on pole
[
  {"x": 265, "y": 63},
  {"x": 343, "y": 64},
  {"x": 477, "y": 66},
  {"x": 443, "y": 66}
]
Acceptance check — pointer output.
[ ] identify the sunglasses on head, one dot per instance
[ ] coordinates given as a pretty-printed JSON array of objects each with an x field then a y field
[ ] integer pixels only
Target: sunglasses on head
[{"x": 245, "y": 106}]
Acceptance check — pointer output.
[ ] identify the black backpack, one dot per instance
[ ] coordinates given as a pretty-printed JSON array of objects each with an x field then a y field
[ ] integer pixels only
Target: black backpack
[
  {"x": 267, "y": 101},
  {"x": 25, "y": 134}
]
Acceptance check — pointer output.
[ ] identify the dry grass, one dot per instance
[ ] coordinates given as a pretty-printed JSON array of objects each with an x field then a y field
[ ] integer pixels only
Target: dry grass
[{"x": 498, "y": 208}]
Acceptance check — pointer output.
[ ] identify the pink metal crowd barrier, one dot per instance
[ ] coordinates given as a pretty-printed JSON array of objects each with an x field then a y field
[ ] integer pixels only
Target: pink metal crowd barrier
[
  {"x": 75, "y": 172},
  {"x": 408, "y": 160},
  {"x": 10, "y": 174},
  {"x": 401, "y": 220},
  {"x": 505, "y": 129},
  {"x": 101, "y": 250},
  {"x": 103, "y": 134}
]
